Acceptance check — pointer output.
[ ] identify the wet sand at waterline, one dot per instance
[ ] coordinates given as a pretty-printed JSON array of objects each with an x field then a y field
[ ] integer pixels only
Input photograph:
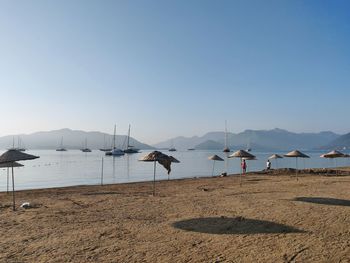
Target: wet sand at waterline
[{"x": 267, "y": 219}]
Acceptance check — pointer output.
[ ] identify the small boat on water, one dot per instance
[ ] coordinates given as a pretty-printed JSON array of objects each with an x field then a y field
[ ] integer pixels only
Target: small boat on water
[
  {"x": 130, "y": 148},
  {"x": 226, "y": 149},
  {"x": 172, "y": 148},
  {"x": 85, "y": 149},
  {"x": 19, "y": 145},
  {"x": 191, "y": 149},
  {"x": 105, "y": 149},
  {"x": 115, "y": 151},
  {"x": 61, "y": 148}
]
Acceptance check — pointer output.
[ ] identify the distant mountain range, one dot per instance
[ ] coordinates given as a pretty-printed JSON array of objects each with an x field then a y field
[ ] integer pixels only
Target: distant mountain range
[
  {"x": 263, "y": 140},
  {"x": 72, "y": 139},
  {"x": 260, "y": 140}
]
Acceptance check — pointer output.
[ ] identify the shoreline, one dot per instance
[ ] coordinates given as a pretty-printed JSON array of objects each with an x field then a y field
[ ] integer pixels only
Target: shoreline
[{"x": 336, "y": 171}]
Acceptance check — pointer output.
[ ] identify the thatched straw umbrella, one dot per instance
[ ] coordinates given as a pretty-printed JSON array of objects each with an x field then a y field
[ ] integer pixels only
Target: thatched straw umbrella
[
  {"x": 8, "y": 165},
  {"x": 215, "y": 158},
  {"x": 241, "y": 154},
  {"x": 333, "y": 155},
  {"x": 161, "y": 158},
  {"x": 296, "y": 154},
  {"x": 275, "y": 156},
  {"x": 12, "y": 156}
]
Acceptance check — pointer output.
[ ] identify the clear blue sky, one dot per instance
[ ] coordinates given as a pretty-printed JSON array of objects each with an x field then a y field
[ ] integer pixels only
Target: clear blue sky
[{"x": 174, "y": 67}]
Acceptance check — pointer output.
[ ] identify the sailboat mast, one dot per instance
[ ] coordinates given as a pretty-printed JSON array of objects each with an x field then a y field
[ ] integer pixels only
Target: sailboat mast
[
  {"x": 127, "y": 147},
  {"x": 225, "y": 133},
  {"x": 115, "y": 127}
]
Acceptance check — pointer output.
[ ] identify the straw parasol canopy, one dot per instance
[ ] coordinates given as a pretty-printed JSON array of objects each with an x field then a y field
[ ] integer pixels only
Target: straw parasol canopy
[
  {"x": 275, "y": 156},
  {"x": 9, "y": 165},
  {"x": 173, "y": 159},
  {"x": 161, "y": 158},
  {"x": 12, "y": 156},
  {"x": 333, "y": 155},
  {"x": 296, "y": 154},
  {"x": 215, "y": 158},
  {"x": 242, "y": 154}
]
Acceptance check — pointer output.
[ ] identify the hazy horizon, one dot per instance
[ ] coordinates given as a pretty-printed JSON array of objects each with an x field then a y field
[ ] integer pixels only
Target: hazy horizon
[{"x": 173, "y": 68}]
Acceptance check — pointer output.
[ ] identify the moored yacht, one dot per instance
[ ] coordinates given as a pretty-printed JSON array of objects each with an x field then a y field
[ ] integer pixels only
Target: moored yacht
[{"x": 115, "y": 151}]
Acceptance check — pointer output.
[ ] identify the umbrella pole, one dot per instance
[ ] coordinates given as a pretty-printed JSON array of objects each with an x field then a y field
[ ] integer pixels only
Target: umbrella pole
[
  {"x": 102, "y": 173},
  {"x": 240, "y": 182},
  {"x": 7, "y": 188},
  {"x": 296, "y": 167},
  {"x": 13, "y": 191},
  {"x": 154, "y": 179},
  {"x": 336, "y": 169},
  {"x": 212, "y": 174}
]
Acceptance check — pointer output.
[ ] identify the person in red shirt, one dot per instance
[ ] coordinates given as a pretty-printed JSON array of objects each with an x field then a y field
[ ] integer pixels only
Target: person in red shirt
[{"x": 244, "y": 166}]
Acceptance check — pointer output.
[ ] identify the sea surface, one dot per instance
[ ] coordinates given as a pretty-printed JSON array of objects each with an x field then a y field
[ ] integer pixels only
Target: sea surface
[{"x": 57, "y": 169}]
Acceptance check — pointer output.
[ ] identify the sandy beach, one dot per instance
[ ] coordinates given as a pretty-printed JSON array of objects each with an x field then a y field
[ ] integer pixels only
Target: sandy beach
[{"x": 267, "y": 219}]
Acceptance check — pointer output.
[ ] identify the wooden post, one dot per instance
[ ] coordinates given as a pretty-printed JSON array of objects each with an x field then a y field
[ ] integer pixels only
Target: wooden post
[
  {"x": 212, "y": 174},
  {"x": 8, "y": 172},
  {"x": 154, "y": 178},
  {"x": 102, "y": 173},
  {"x": 13, "y": 191}
]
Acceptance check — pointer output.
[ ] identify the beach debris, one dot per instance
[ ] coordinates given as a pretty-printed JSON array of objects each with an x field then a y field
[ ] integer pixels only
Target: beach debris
[{"x": 26, "y": 205}]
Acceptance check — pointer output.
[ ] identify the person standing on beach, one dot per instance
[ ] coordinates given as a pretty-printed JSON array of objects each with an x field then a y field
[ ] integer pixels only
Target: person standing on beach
[
  {"x": 244, "y": 166},
  {"x": 268, "y": 165}
]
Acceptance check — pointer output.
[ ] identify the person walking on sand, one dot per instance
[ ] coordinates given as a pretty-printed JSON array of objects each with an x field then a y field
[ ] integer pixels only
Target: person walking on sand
[
  {"x": 268, "y": 165},
  {"x": 244, "y": 166}
]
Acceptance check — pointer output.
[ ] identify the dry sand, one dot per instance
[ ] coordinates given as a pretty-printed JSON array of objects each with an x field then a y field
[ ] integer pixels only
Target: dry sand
[{"x": 268, "y": 219}]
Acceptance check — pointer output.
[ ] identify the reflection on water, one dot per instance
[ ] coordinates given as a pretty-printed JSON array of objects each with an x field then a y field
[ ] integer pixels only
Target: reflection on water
[{"x": 54, "y": 169}]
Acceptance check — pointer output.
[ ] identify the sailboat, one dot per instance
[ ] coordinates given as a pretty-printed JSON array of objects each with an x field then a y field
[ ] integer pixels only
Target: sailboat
[
  {"x": 248, "y": 146},
  {"x": 226, "y": 149},
  {"x": 172, "y": 148},
  {"x": 19, "y": 145},
  {"x": 104, "y": 149},
  {"x": 115, "y": 151},
  {"x": 130, "y": 148},
  {"x": 86, "y": 149},
  {"x": 61, "y": 148}
]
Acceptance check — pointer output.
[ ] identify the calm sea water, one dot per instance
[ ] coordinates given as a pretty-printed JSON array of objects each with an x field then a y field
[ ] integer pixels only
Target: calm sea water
[{"x": 56, "y": 169}]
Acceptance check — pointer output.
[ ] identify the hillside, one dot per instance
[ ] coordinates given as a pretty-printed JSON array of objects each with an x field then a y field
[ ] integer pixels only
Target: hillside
[
  {"x": 72, "y": 139},
  {"x": 276, "y": 139},
  {"x": 341, "y": 143}
]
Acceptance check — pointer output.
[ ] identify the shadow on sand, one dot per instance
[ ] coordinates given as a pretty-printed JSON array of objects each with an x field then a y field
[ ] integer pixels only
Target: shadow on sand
[
  {"x": 323, "y": 201},
  {"x": 236, "y": 225}
]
